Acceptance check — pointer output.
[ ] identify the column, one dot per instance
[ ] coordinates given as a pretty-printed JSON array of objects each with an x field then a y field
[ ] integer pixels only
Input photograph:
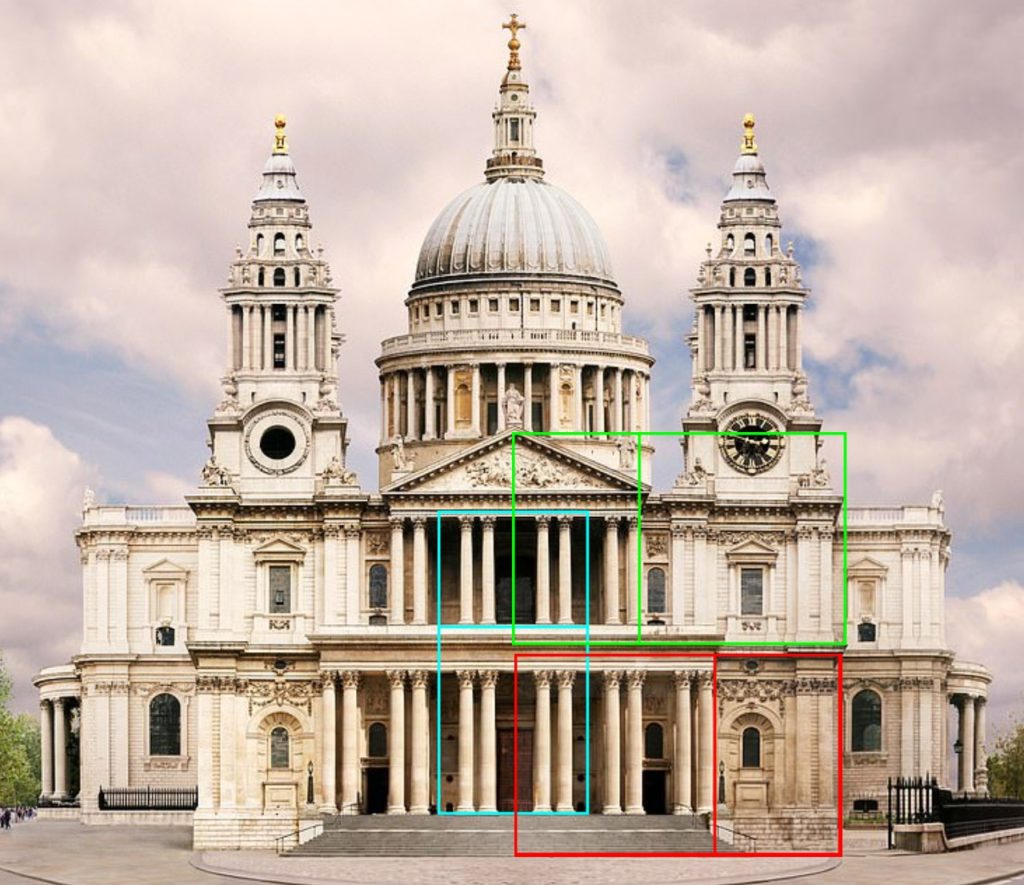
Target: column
[
  {"x": 450, "y": 405},
  {"x": 599, "y": 399},
  {"x": 429, "y": 430},
  {"x": 634, "y": 742},
  {"x": 300, "y": 337},
  {"x": 396, "y": 403},
  {"x": 466, "y": 570},
  {"x": 410, "y": 405},
  {"x": 980, "y": 762},
  {"x": 501, "y": 397},
  {"x": 632, "y": 553},
  {"x": 527, "y": 396},
  {"x": 719, "y": 311},
  {"x": 798, "y": 357},
  {"x": 907, "y": 587},
  {"x": 968, "y": 745},
  {"x": 396, "y": 743},
  {"x": 803, "y": 738},
  {"x": 783, "y": 344},
  {"x": 465, "y": 740},
  {"x": 542, "y": 741},
  {"x": 328, "y": 746},
  {"x": 383, "y": 409},
  {"x": 677, "y": 566},
  {"x": 738, "y": 329},
  {"x": 611, "y": 570},
  {"x": 565, "y": 570},
  {"x": 761, "y": 335},
  {"x": 553, "y": 410},
  {"x": 419, "y": 570},
  {"x": 681, "y": 761},
  {"x": 770, "y": 338},
  {"x": 246, "y": 336},
  {"x": 353, "y": 572},
  {"x": 289, "y": 337},
  {"x": 475, "y": 405},
  {"x": 60, "y": 754},
  {"x": 488, "y": 742},
  {"x": 701, "y": 362},
  {"x": 46, "y": 749},
  {"x": 418, "y": 797},
  {"x": 397, "y": 597},
  {"x": 578, "y": 422},
  {"x": 488, "y": 570},
  {"x": 727, "y": 338},
  {"x": 617, "y": 401},
  {"x": 612, "y": 743},
  {"x": 268, "y": 338},
  {"x": 543, "y": 572},
  {"x": 349, "y": 744},
  {"x": 311, "y": 338},
  {"x": 705, "y": 739},
  {"x": 563, "y": 801}
]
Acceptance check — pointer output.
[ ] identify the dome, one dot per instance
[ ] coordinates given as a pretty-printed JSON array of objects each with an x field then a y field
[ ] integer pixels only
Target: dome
[{"x": 513, "y": 225}]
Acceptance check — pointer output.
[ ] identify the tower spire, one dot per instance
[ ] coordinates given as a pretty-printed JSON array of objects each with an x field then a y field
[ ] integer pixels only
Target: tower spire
[
  {"x": 280, "y": 141},
  {"x": 748, "y": 145},
  {"x": 514, "y": 155}
]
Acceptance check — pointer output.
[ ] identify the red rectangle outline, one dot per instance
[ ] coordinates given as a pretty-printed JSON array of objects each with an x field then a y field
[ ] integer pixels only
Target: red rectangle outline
[{"x": 714, "y": 706}]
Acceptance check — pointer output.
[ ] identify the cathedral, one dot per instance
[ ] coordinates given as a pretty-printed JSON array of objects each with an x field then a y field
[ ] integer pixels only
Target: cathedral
[{"x": 290, "y": 643}]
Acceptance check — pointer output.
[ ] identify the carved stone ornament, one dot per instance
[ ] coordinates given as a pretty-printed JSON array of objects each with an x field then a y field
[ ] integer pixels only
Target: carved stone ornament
[
  {"x": 263, "y": 692},
  {"x": 378, "y": 544},
  {"x": 280, "y": 623},
  {"x": 656, "y": 543},
  {"x": 532, "y": 471}
]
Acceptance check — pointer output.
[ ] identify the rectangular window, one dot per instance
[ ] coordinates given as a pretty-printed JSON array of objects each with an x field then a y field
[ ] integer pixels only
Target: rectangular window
[
  {"x": 513, "y": 130},
  {"x": 473, "y": 305},
  {"x": 455, "y": 307},
  {"x": 278, "y": 351},
  {"x": 538, "y": 415},
  {"x": 492, "y": 305},
  {"x": 513, "y": 305},
  {"x": 438, "y": 308},
  {"x": 277, "y": 312},
  {"x": 534, "y": 305},
  {"x": 751, "y": 591},
  {"x": 603, "y": 311},
  {"x": 590, "y": 308},
  {"x": 280, "y": 583},
  {"x": 866, "y": 596},
  {"x": 749, "y": 352},
  {"x": 574, "y": 307},
  {"x": 556, "y": 305}
]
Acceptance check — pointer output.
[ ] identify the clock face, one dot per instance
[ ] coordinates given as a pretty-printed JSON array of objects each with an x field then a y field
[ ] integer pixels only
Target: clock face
[{"x": 751, "y": 443}]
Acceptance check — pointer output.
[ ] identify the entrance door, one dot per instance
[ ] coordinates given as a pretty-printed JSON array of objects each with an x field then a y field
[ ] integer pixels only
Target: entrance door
[
  {"x": 526, "y": 603},
  {"x": 376, "y": 792},
  {"x": 654, "y": 792},
  {"x": 506, "y": 761}
]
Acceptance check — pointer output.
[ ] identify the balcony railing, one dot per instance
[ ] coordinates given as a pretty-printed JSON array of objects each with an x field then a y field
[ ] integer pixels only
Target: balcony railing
[{"x": 490, "y": 337}]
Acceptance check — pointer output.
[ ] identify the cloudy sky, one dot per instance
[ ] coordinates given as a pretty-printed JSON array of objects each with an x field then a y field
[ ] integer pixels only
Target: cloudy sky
[{"x": 134, "y": 134}]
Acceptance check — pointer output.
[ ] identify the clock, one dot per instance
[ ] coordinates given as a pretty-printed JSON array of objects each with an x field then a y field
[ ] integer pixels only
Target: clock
[{"x": 751, "y": 443}]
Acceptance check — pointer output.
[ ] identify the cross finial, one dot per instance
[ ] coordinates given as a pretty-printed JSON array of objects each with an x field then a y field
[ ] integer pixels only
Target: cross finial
[
  {"x": 513, "y": 25},
  {"x": 749, "y": 146}
]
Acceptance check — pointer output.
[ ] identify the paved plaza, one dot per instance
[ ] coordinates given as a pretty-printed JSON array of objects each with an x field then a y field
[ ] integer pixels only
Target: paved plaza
[{"x": 71, "y": 854}]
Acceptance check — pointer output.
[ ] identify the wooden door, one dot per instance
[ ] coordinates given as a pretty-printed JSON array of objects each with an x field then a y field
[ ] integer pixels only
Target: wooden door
[{"x": 506, "y": 763}]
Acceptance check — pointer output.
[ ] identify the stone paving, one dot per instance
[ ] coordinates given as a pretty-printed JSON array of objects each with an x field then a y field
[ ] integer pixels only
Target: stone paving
[{"x": 68, "y": 853}]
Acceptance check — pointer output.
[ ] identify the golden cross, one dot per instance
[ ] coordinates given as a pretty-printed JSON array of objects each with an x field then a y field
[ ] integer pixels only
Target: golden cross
[{"x": 514, "y": 25}]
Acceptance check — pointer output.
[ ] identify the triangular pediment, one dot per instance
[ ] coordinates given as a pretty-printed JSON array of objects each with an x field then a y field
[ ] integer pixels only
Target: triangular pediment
[
  {"x": 279, "y": 546},
  {"x": 751, "y": 550},
  {"x": 165, "y": 569},
  {"x": 540, "y": 466},
  {"x": 867, "y": 566}
]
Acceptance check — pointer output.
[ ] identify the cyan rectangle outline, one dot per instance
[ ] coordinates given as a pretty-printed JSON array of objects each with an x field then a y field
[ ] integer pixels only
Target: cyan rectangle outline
[{"x": 511, "y": 627}]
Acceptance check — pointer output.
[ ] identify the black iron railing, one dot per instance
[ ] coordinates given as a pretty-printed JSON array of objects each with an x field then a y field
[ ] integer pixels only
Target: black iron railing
[
  {"x": 148, "y": 798},
  {"x": 911, "y": 801}
]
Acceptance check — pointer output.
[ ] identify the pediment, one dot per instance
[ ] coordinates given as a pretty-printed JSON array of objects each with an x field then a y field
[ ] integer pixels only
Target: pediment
[
  {"x": 279, "y": 547},
  {"x": 866, "y": 566},
  {"x": 165, "y": 569},
  {"x": 540, "y": 466},
  {"x": 752, "y": 550}
]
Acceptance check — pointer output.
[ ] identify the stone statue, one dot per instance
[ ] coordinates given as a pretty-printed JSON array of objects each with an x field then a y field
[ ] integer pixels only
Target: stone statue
[
  {"x": 88, "y": 499},
  {"x": 702, "y": 395},
  {"x": 627, "y": 452},
  {"x": 400, "y": 459},
  {"x": 513, "y": 405},
  {"x": 215, "y": 475},
  {"x": 937, "y": 501},
  {"x": 335, "y": 473},
  {"x": 819, "y": 476},
  {"x": 698, "y": 474}
]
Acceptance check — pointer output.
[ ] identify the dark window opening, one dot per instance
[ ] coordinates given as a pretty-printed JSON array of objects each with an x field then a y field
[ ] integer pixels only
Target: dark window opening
[
  {"x": 867, "y": 722},
  {"x": 751, "y": 591},
  {"x": 654, "y": 741},
  {"x": 732, "y": 276},
  {"x": 378, "y": 740},
  {"x": 277, "y": 442},
  {"x": 279, "y": 277},
  {"x": 378, "y": 586},
  {"x": 751, "y": 748},
  {"x": 656, "y": 590},
  {"x": 749, "y": 247},
  {"x": 280, "y": 757},
  {"x": 165, "y": 726},
  {"x": 750, "y": 277},
  {"x": 279, "y": 351},
  {"x": 165, "y": 636},
  {"x": 767, "y": 276},
  {"x": 279, "y": 244},
  {"x": 280, "y": 582},
  {"x": 749, "y": 352},
  {"x": 866, "y": 632},
  {"x": 261, "y": 277},
  {"x": 259, "y": 244},
  {"x": 297, "y": 277},
  {"x": 277, "y": 312},
  {"x": 513, "y": 130}
]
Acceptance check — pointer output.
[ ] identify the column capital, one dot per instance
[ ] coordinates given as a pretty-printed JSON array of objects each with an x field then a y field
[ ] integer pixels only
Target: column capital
[
  {"x": 59, "y": 702},
  {"x": 612, "y": 520},
  {"x": 612, "y": 679},
  {"x": 542, "y": 678},
  {"x": 488, "y": 521},
  {"x": 466, "y": 522},
  {"x": 636, "y": 678},
  {"x": 488, "y": 678},
  {"x": 397, "y": 523},
  {"x": 328, "y": 678},
  {"x": 396, "y": 678},
  {"x": 564, "y": 522},
  {"x": 350, "y": 678},
  {"x": 683, "y": 678},
  {"x": 466, "y": 678},
  {"x": 566, "y": 678},
  {"x": 703, "y": 679},
  {"x": 419, "y": 678},
  {"x": 543, "y": 520},
  {"x": 44, "y": 704},
  {"x": 633, "y": 522},
  {"x": 419, "y": 522}
]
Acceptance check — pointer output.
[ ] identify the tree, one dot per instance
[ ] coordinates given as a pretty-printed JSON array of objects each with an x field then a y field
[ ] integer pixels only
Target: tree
[
  {"x": 1006, "y": 764},
  {"x": 19, "y": 751}
]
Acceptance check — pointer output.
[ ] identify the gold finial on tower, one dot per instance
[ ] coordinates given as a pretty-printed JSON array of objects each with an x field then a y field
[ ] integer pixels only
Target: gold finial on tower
[
  {"x": 748, "y": 145},
  {"x": 513, "y": 24},
  {"x": 280, "y": 141}
]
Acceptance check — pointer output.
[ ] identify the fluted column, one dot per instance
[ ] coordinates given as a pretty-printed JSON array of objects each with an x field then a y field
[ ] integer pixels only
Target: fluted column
[
  {"x": 475, "y": 405},
  {"x": 565, "y": 570},
  {"x": 968, "y": 746},
  {"x": 396, "y": 403},
  {"x": 705, "y": 739},
  {"x": 611, "y": 570},
  {"x": 429, "y": 430},
  {"x": 599, "y": 399},
  {"x": 46, "y": 747},
  {"x": 466, "y": 569},
  {"x": 420, "y": 743},
  {"x": 554, "y": 410},
  {"x": 762, "y": 333},
  {"x": 488, "y": 570},
  {"x": 740, "y": 353},
  {"x": 543, "y": 572},
  {"x": 783, "y": 344},
  {"x": 563, "y": 800},
  {"x": 578, "y": 422},
  {"x": 410, "y": 405},
  {"x": 635, "y": 743},
  {"x": 612, "y": 743},
  {"x": 311, "y": 338},
  {"x": 527, "y": 396},
  {"x": 450, "y": 402},
  {"x": 328, "y": 744},
  {"x": 419, "y": 570},
  {"x": 681, "y": 762},
  {"x": 616, "y": 423},
  {"x": 349, "y": 743},
  {"x": 501, "y": 397},
  {"x": 632, "y": 553},
  {"x": 488, "y": 741},
  {"x": 60, "y": 757},
  {"x": 466, "y": 756},
  {"x": 719, "y": 311},
  {"x": 396, "y": 743},
  {"x": 397, "y": 599},
  {"x": 289, "y": 338},
  {"x": 246, "y": 336},
  {"x": 542, "y": 738}
]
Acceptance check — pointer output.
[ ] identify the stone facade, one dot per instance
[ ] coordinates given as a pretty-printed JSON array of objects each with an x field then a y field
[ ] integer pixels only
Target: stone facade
[{"x": 273, "y": 641}]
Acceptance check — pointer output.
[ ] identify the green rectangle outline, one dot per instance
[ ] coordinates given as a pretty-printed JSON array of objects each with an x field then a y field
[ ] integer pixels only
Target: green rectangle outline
[{"x": 699, "y": 643}]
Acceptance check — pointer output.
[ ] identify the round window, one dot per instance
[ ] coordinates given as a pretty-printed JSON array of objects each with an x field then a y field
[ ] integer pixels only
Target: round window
[{"x": 277, "y": 442}]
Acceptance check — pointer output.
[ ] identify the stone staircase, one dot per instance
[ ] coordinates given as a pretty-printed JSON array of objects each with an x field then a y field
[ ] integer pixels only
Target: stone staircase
[{"x": 491, "y": 835}]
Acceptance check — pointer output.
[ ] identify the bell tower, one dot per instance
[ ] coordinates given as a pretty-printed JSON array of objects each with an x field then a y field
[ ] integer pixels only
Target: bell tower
[{"x": 279, "y": 427}]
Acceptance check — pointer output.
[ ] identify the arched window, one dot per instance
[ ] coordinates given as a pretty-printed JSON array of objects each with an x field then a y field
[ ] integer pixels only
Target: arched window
[
  {"x": 378, "y": 740},
  {"x": 654, "y": 741},
  {"x": 767, "y": 276},
  {"x": 751, "y": 748},
  {"x": 259, "y": 244},
  {"x": 867, "y": 722},
  {"x": 750, "y": 277},
  {"x": 165, "y": 726},
  {"x": 262, "y": 277},
  {"x": 378, "y": 586},
  {"x": 279, "y": 276},
  {"x": 656, "y": 590},
  {"x": 297, "y": 278},
  {"x": 749, "y": 245},
  {"x": 280, "y": 757},
  {"x": 769, "y": 244},
  {"x": 732, "y": 276},
  {"x": 730, "y": 242},
  {"x": 279, "y": 244},
  {"x": 301, "y": 243}
]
